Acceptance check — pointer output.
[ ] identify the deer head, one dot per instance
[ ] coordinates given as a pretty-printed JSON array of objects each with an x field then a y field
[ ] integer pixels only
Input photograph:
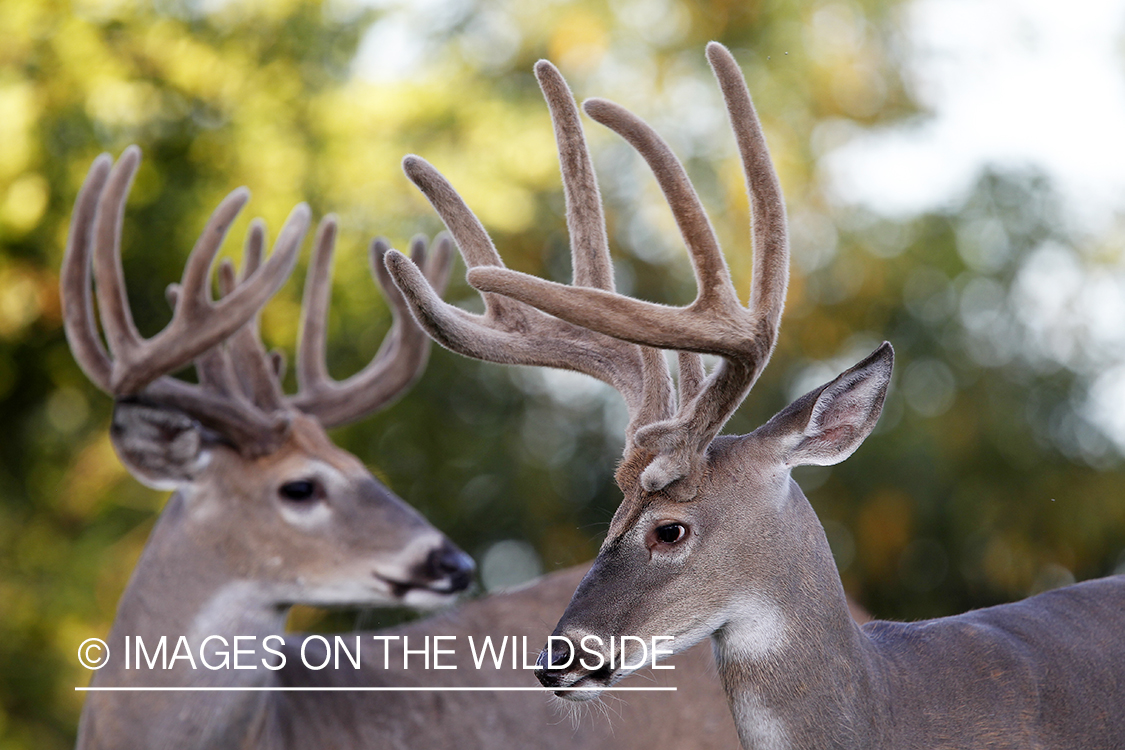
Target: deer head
[
  {"x": 692, "y": 501},
  {"x": 743, "y": 560},
  {"x": 260, "y": 488}
]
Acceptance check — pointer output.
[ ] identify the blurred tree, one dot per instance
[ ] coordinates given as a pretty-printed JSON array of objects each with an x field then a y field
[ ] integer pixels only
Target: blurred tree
[{"x": 989, "y": 477}]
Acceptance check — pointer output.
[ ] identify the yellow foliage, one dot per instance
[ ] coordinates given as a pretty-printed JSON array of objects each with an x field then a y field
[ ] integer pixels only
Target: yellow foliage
[
  {"x": 579, "y": 40},
  {"x": 25, "y": 202},
  {"x": 221, "y": 94},
  {"x": 21, "y": 300},
  {"x": 19, "y": 109},
  {"x": 94, "y": 470}
]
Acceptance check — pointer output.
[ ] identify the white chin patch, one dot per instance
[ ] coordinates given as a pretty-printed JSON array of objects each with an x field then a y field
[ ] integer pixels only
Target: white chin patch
[
  {"x": 427, "y": 599},
  {"x": 579, "y": 696}
]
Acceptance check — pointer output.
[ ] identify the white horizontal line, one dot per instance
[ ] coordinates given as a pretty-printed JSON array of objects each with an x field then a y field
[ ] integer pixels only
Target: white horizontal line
[{"x": 282, "y": 689}]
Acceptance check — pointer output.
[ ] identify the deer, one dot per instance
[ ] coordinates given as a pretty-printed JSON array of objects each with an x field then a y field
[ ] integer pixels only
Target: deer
[
  {"x": 714, "y": 538},
  {"x": 267, "y": 512}
]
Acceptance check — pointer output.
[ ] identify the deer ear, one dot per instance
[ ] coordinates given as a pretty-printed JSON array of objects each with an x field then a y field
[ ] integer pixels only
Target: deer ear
[
  {"x": 826, "y": 426},
  {"x": 162, "y": 447}
]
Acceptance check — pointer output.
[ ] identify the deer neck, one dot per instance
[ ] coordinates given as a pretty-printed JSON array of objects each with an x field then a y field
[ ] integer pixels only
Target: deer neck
[
  {"x": 797, "y": 670},
  {"x": 183, "y": 588}
]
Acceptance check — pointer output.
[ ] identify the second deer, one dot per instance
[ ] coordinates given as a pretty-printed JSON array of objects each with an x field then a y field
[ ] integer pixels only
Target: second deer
[{"x": 714, "y": 538}]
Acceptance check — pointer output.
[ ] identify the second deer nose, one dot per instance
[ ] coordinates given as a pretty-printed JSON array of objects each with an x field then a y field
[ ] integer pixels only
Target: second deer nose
[{"x": 552, "y": 661}]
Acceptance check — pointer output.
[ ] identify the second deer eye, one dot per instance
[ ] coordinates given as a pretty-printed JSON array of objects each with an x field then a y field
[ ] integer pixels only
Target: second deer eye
[
  {"x": 301, "y": 490},
  {"x": 670, "y": 533}
]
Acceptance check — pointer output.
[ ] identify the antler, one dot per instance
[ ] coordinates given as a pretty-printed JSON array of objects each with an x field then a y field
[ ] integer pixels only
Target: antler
[
  {"x": 715, "y": 322},
  {"x": 401, "y": 357},
  {"x": 197, "y": 323},
  {"x": 511, "y": 332},
  {"x": 239, "y": 392},
  {"x": 133, "y": 365}
]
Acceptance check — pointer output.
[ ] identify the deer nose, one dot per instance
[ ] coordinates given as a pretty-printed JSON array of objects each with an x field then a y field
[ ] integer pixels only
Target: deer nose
[
  {"x": 449, "y": 562},
  {"x": 551, "y": 666}
]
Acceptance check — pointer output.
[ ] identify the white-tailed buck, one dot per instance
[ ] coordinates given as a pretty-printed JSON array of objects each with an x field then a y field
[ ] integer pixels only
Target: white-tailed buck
[
  {"x": 268, "y": 513},
  {"x": 714, "y": 538}
]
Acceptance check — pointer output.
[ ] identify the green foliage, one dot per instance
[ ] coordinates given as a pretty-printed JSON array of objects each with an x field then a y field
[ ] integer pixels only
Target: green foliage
[{"x": 980, "y": 486}]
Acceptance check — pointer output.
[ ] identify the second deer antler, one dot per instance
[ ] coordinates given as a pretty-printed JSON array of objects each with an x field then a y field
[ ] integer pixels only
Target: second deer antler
[{"x": 716, "y": 322}]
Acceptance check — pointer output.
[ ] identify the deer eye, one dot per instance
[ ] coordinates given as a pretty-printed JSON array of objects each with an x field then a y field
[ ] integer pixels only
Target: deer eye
[
  {"x": 300, "y": 491},
  {"x": 670, "y": 533}
]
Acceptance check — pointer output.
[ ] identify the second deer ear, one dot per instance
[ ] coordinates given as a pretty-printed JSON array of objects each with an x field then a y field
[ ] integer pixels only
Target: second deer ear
[
  {"x": 825, "y": 426},
  {"x": 162, "y": 447}
]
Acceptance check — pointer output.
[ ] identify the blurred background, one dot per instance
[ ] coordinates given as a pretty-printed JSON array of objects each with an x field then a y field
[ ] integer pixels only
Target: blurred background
[{"x": 955, "y": 181}]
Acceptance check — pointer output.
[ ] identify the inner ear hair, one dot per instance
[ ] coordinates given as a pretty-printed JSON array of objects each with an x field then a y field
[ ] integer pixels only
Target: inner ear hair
[
  {"x": 161, "y": 446},
  {"x": 827, "y": 425}
]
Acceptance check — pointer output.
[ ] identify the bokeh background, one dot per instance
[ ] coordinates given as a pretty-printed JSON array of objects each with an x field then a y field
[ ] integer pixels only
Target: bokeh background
[{"x": 955, "y": 181}]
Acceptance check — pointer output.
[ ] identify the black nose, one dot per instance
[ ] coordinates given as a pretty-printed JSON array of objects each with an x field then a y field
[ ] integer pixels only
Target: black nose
[
  {"x": 551, "y": 665},
  {"x": 449, "y": 562}
]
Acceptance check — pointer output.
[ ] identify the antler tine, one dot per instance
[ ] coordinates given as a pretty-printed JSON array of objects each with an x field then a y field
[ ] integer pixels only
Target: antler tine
[
  {"x": 437, "y": 266},
  {"x": 692, "y": 375},
  {"x": 401, "y": 357},
  {"x": 218, "y": 401},
  {"x": 221, "y": 399},
  {"x": 510, "y": 332},
  {"x": 630, "y": 319},
  {"x": 312, "y": 372},
  {"x": 768, "y": 221},
  {"x": 260, "y": 381},
  {"x": 513, "y": 333},
  {"x": 75, "y": 281},
  {"x": 585, "y": 220},
  {"x": 712, "y": 276},
  {"x": 214, "y": 367},
  {"x": 715, "y": 322},
  {"x": 197, "y": 323},
  {"x": 253, "y": 371},
  {"x": 113, "y": 305}
]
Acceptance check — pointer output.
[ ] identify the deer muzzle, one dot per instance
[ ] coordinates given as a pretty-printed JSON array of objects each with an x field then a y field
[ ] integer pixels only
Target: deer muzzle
[{"x": 577, "y": 666}]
